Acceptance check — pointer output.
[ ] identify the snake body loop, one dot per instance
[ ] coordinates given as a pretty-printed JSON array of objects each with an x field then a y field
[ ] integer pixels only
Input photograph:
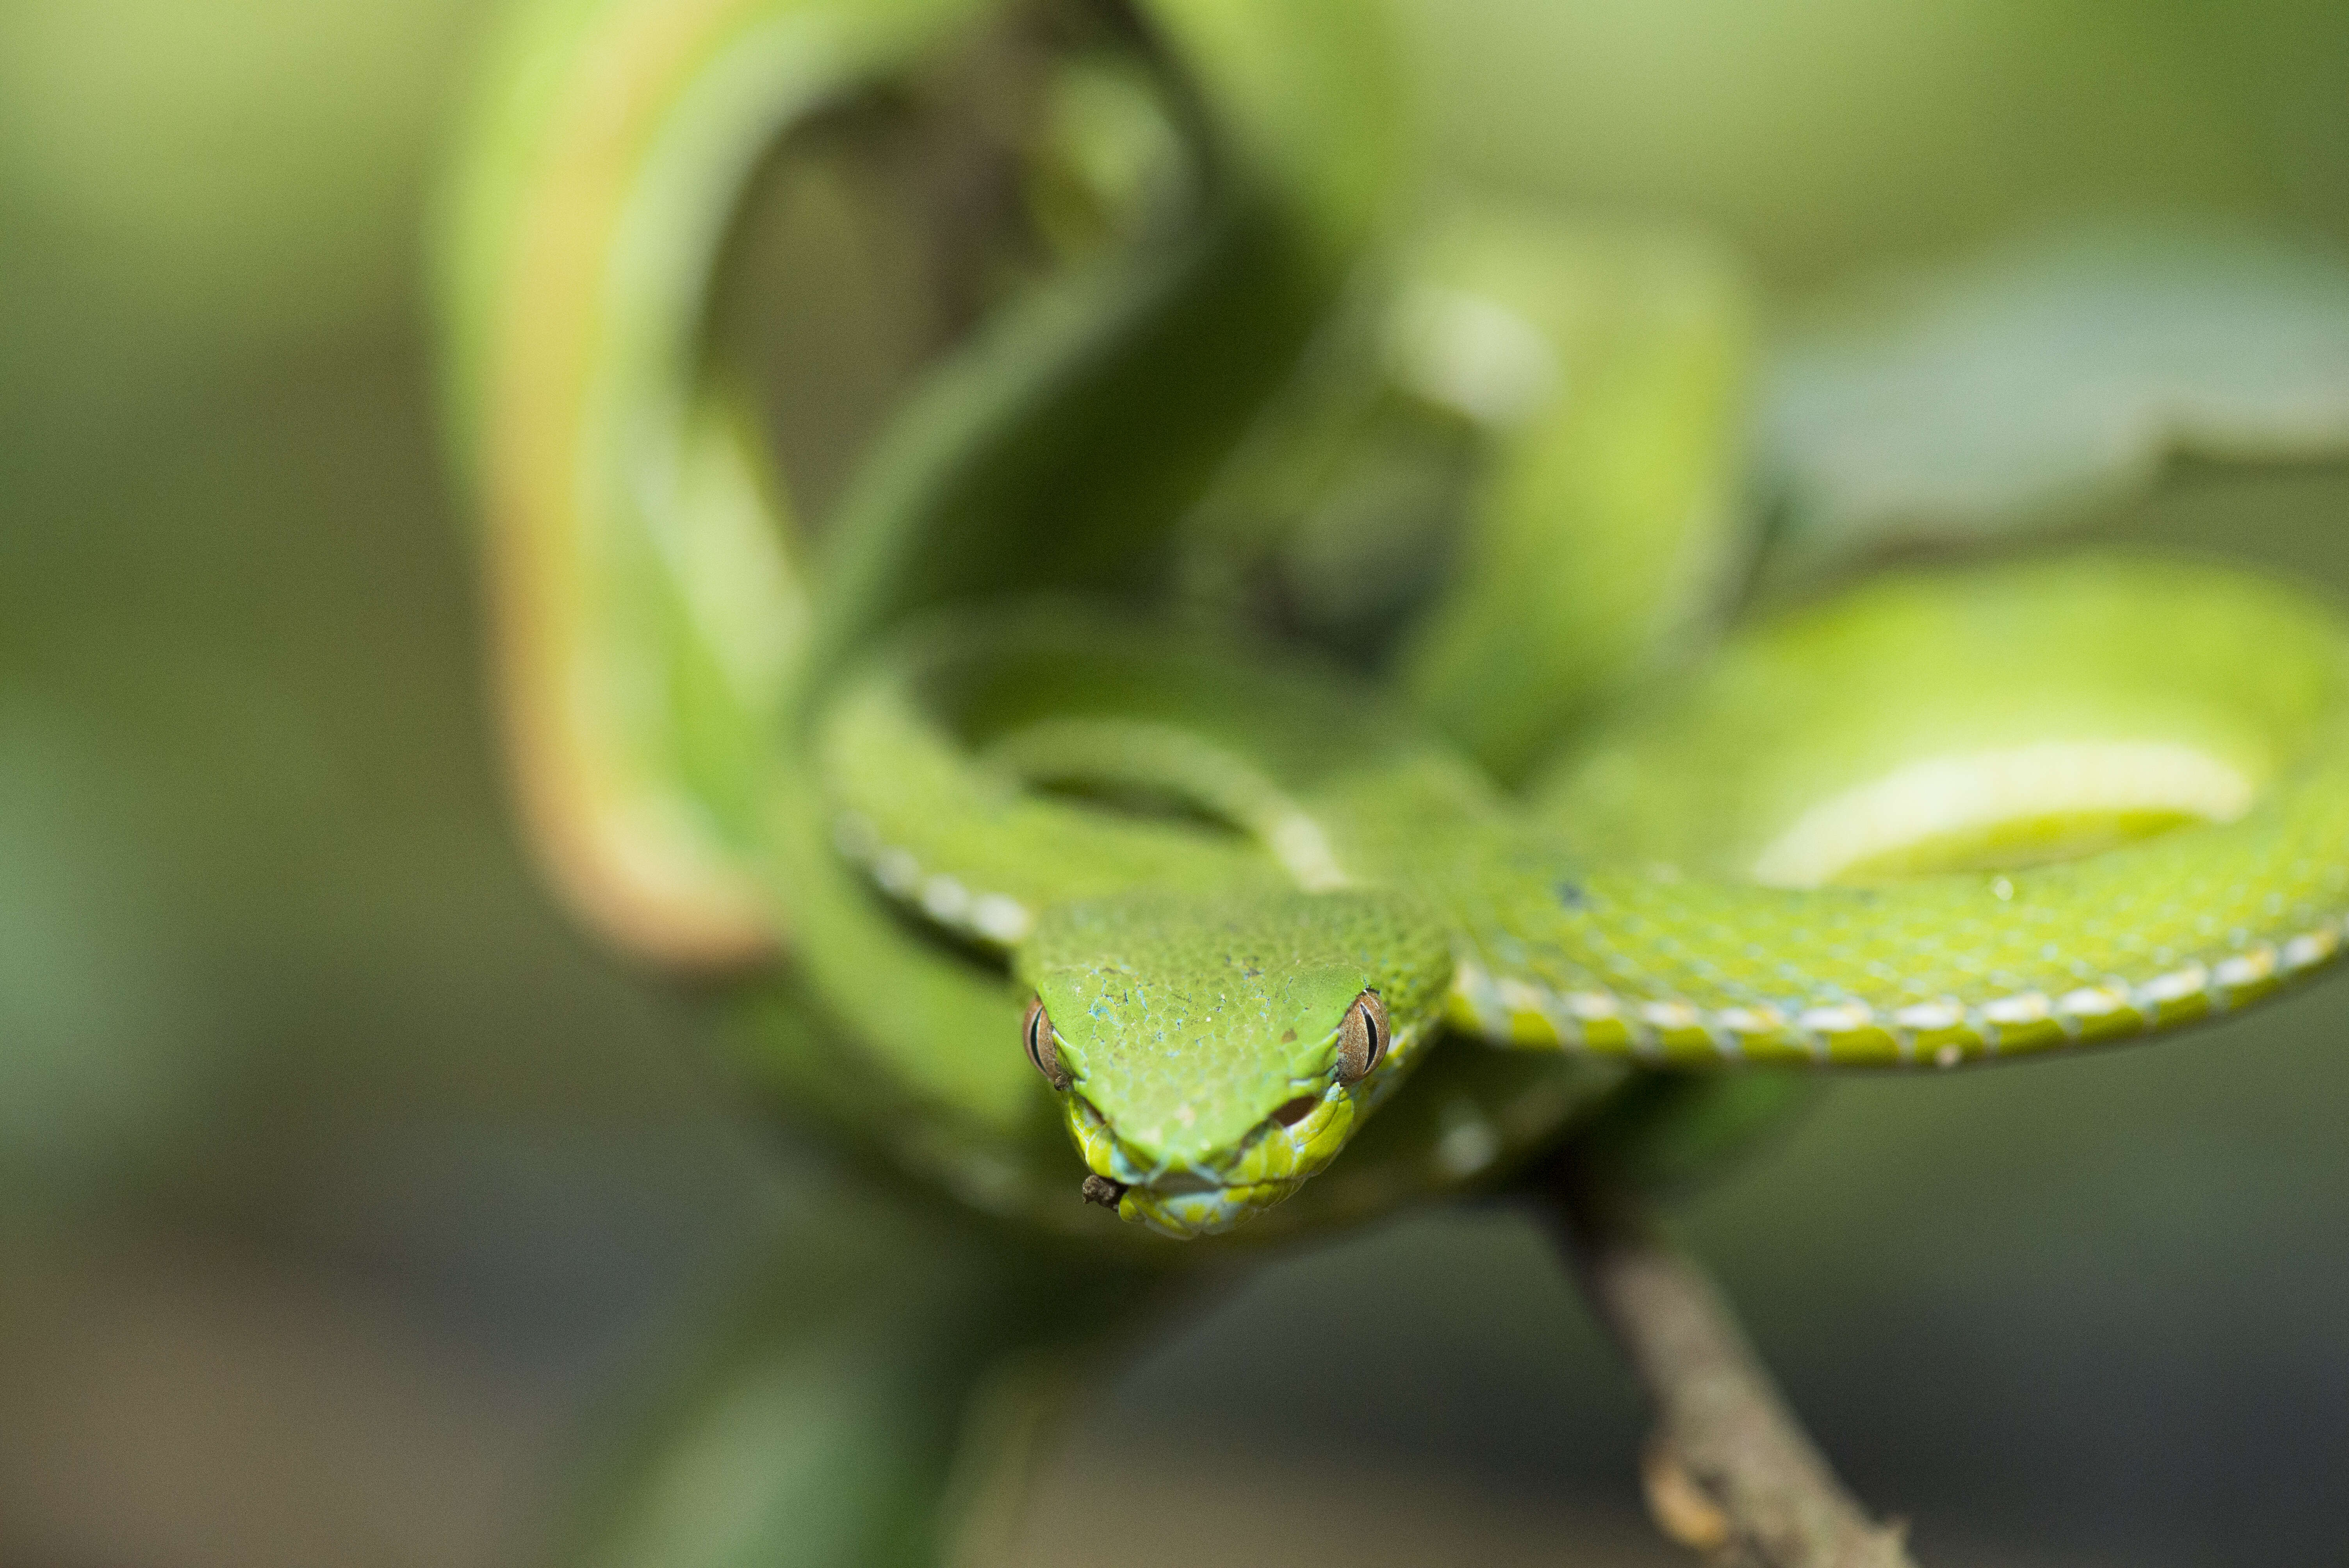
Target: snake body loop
[
  {"x": 1931, "y": 822},
  {"x": 2171, "y": 744},
  {"x": 652, "y": 582}
]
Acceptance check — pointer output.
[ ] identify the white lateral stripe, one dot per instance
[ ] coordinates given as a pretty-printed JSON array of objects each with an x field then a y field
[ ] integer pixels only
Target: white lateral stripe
[
  {"x": 1927, "y": 1018},
  {"x": 2310, "y": 948},
  {"x": 898, "y": 871},
  {"x": 1000, "y": 919},
  {"x": 2092, "y": 1002},
  {"x": 1494, "y": 1001},
  {"x": 1003, "y": 920},
  {"x": 1516, "y": 996},
  {"x": 1671, "y": 1015},
  {"x": 2176, "y": 985},
  {"x": 2028, "y": 1007},
  {"x": 2245, "y": 968},
  {"x": 991, "y": 916},
  {"x": 945, "y": 900},
  {"x": 1837, "y": 1018}
]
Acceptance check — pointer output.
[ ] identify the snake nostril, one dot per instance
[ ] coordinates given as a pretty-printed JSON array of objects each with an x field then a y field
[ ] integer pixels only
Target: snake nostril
[{"x": 1293, "y": 1112}]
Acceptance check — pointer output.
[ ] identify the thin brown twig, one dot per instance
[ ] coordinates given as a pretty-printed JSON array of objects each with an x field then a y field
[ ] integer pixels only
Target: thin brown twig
[{"x": 1729, "y": 1470}]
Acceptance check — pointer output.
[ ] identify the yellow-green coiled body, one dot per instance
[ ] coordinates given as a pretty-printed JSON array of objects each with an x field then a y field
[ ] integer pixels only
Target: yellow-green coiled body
[
  {"x": 1980, "y": 814},
  {"x": 2172, "y": 741}
]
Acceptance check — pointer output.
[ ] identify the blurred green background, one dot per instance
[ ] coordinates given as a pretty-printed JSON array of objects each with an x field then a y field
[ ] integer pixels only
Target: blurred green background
[{"x": 339, "y": 1176}]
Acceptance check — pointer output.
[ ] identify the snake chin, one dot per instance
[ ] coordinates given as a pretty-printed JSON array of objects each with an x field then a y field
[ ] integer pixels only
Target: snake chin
[{"x": 1186, "y": 1213}]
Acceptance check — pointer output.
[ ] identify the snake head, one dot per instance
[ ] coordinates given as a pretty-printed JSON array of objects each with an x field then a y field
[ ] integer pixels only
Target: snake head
[{"x": 1212, "y": 1054}]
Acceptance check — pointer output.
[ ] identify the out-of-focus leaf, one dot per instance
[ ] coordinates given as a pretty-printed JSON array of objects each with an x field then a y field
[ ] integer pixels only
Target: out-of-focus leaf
[{"x": 2048, "y": 375}]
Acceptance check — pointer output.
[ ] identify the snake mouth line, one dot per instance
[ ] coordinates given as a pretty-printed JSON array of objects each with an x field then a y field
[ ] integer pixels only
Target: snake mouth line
[
  {"x": 1185, "y": 1199},
  {"x": 1294, "y": 1142}
]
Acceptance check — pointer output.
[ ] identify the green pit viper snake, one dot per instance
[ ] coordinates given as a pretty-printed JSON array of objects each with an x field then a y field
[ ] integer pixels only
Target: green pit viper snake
[{"x": 995, "y": 715}]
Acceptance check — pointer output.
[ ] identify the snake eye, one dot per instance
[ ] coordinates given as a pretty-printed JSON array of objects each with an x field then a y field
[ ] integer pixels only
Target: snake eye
[
  {"x": 1363, "y": 1038},
  {"x": 1044, "y": 1051}
]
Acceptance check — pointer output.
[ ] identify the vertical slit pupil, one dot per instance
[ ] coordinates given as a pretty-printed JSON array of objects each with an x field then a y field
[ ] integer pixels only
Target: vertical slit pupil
[
  {"x": 1363, "y": 1036},
  {"x": 1374, "y": 1025},
  {"x": 1036, "y": 1036}
]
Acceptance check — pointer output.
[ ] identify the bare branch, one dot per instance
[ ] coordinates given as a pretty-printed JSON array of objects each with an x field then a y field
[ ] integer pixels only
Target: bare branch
[{"x": 1729, "y": 1470}]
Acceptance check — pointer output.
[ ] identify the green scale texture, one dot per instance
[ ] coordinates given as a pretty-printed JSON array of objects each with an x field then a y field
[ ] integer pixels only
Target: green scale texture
[
  {"x": 1183, "y": 1021},
  {"x": 1195, "y": 990}
]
